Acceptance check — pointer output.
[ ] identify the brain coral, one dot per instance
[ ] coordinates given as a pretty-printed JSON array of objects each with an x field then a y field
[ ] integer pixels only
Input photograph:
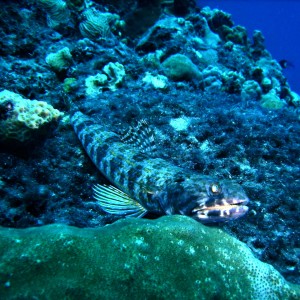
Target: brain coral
[
  {"x": 180, "y": 67},
  {"x": 173, "y": 257},
  {"x": 20, "y": 117}
]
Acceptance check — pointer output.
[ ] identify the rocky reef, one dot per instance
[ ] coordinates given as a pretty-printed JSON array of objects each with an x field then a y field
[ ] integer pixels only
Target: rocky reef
[{"x": 217, "y": 103}]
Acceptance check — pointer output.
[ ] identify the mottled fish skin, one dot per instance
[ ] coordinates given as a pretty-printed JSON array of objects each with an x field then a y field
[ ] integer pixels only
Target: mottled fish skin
[{"x": 158, "y": 185}]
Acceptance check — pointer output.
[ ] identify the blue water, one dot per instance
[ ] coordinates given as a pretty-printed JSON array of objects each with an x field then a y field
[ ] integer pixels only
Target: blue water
[{"x": 279, "y": 22}]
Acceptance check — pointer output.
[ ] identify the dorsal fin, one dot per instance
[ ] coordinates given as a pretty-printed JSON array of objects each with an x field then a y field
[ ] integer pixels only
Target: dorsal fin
[
  {"x": 141, "y": 137},
  {"x": 114, "y": 201}
]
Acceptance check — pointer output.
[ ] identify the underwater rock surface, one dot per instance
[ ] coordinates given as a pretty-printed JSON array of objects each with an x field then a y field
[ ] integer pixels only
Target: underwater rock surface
[
  {"x": 173, "y": 257},
  {"x": 231, "y": 114}
]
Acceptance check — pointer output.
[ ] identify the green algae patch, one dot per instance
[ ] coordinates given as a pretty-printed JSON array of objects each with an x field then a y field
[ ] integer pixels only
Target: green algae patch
[{"x": 173, "y": 257}]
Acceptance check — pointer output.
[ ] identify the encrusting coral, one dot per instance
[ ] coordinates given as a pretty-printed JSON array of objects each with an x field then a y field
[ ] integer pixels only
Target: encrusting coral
[
  {"x": 172, "y": 257},
  {"x": 20, "y": 117}
]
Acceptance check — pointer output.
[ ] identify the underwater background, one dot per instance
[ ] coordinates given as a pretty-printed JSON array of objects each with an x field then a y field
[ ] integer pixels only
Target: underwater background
[{"x": 219, "y": 103}]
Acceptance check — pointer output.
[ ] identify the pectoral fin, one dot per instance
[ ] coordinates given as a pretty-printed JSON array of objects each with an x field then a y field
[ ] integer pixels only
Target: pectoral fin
[{"x": 115, "y": 202}]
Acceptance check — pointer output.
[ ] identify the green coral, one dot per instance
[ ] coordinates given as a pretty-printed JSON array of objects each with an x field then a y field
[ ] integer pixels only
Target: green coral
[
  {"x": 173, "y": 257},
  {"x": 272, "y": 101},
  {"x": 179, "y": 67},
  {"x": 60, "y": 61},
  {"x": 69, "y": 84}
]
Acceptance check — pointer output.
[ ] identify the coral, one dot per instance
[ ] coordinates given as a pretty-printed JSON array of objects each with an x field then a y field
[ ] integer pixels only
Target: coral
[
  {"x": 271, "y": 100},
  {"x": 295, "y": 99},
  {"x": 217, "y": 19},
  {"x": 258, "y": 46},
  {"x": 237, "y": 35},
  {"x": 169, "y": 258},
  {"x": 97, "y": 24},
  {"x": 158, "y": 81},
  {"x": 152, "y": 60},
  {"x": 266, "y": 84},
  {"x": 251, "y": 90},
  {"x": 210, "y": 38},
  {"x": 60, "y": 61},
  {"x": 232, "y": 82},
  {"x": 20, "y": 117},
  {"x": 212, "y": 78},
  {"x": 57, "y": 12},
  {"x": 95, "y": 84},
  {"x": 115, "y": 73},
  {"x": 270, "y": 68},
  {"x": 221, "y": 23},
  {"x": 179, "y": 67},
  {"x": 69, "y": 84},
  {"x": 112, "y": 77},
  {"x": 232, "y": 56}
]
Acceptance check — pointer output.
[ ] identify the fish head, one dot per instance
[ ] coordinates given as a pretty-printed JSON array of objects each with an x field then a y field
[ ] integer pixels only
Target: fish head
[
  {"x": 204, "y": 199},
  {"x": 219, "y": 202}
]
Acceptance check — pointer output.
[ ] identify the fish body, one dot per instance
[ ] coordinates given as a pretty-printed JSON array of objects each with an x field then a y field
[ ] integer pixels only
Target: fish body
[{"x": 144, "y": 184}]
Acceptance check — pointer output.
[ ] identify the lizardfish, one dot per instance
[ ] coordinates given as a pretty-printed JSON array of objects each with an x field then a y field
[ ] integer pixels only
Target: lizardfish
[{"x": 142, "y": 184}]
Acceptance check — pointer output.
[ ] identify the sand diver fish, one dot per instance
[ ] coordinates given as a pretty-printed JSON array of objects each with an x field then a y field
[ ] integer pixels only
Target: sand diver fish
[{"x": 144, "y": 184}]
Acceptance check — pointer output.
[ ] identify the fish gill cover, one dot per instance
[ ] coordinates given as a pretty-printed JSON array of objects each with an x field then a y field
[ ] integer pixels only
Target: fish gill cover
[{"x": 216, "y": 101}]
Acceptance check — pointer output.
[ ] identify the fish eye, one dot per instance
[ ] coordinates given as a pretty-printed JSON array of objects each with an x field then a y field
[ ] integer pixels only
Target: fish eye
[{"x": 215, "y": 188}]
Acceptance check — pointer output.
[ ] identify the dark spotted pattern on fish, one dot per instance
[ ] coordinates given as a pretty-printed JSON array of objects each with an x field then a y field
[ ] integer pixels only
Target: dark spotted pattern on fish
[{"x": 153, "y": 184}]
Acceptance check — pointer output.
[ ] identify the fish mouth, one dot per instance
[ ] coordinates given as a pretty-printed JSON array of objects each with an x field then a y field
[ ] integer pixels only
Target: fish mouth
[{"x": 221, "y": 211}]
